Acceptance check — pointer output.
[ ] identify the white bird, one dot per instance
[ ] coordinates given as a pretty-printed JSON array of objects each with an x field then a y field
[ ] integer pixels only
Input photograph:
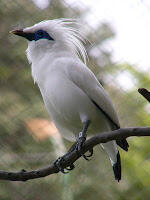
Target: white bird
[{"x": 74, "y": 98}]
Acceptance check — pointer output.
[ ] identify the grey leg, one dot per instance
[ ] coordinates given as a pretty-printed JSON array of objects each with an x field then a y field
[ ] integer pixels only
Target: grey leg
[
  {"x": 82, "y": 138},
  {"x": 82, "y": 135},
  {"x": 78, "y": 147}
]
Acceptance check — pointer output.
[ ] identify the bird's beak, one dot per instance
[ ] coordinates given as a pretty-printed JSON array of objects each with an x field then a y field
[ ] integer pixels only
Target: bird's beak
[{"x": 20, "y": 32}]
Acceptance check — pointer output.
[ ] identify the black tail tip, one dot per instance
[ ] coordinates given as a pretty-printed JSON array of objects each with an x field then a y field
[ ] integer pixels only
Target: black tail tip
[
  {"x": 123, "y": 144},
  {"x": 117, "y": 168}
]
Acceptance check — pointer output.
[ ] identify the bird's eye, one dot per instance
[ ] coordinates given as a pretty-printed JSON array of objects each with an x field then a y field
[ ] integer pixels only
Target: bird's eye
[{"x": 41, "y": 34}]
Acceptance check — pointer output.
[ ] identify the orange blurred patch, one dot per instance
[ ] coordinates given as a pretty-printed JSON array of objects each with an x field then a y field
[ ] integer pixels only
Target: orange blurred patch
[{"x": 40, "y": 128}]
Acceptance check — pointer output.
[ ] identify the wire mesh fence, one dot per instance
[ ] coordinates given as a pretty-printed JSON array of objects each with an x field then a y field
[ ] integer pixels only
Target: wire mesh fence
[{"x": 29, "y": 140}]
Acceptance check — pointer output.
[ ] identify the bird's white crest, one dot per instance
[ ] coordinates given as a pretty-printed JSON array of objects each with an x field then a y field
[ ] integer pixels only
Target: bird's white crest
[{"x": 64, "y": 30}]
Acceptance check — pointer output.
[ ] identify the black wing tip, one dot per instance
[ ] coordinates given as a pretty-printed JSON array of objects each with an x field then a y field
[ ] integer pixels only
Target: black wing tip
[{"x": 117, "y": 168}]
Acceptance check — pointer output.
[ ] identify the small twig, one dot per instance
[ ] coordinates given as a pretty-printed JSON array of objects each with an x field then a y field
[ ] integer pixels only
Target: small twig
[{"x": 70, "y": 158}]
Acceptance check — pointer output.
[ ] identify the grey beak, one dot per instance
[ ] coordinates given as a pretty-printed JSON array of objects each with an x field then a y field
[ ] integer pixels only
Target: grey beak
[{"x": 20, "y": 32}]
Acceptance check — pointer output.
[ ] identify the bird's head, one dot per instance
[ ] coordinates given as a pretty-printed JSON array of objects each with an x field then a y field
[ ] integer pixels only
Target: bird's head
[{"x": 53, "y": 36}]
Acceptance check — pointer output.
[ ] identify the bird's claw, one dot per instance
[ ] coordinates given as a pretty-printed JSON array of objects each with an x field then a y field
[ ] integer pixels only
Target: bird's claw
[
  {"x": 71, "y": 167},
  {"x": 86, "y": 157},
  {"x": 90, "y": 154},
  {"x": 58, "y": 164}
]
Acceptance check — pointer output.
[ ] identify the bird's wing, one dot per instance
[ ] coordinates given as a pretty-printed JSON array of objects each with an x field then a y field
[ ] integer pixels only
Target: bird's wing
[{"x": 84, "y": 78}]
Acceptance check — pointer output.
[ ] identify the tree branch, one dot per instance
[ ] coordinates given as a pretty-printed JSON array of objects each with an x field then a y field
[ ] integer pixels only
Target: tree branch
[{"x": 70, "y": 158}]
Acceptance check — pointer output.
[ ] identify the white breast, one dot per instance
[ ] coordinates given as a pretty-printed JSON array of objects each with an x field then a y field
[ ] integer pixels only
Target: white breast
[
  {"x": 68, "y": 106},
  {"x": 66, "y": 103}
]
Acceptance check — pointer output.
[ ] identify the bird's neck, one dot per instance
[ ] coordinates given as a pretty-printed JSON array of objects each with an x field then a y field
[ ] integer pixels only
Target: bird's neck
[
  {"x": 42, "y": 63},
  {"x": 35, "y": 53}
]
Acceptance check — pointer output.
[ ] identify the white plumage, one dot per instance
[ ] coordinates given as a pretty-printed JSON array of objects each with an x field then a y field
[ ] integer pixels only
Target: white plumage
[{"x": 70, "y": 91}]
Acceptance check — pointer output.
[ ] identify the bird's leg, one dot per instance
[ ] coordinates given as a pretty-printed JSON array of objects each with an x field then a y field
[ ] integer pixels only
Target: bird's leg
[
  {"x": 82, "y": 138},
  {"x": 58, "y": 163},
  {"x": 82, "y": 135},
  {"x": 76, "y": 146}
]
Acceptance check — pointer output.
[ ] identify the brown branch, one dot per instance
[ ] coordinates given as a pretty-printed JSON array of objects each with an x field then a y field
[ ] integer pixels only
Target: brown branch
[{"x": 70, "y": 158}]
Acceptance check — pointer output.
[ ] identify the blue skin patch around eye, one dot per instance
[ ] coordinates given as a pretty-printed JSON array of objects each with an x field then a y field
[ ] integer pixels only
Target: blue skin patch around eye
[{"x": 40, "y": 34}]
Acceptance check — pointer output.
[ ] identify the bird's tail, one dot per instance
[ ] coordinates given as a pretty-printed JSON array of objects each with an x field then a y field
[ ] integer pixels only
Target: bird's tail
[
  {"x": 117, "y": 168},
  {"x": 113, "y": 153}
]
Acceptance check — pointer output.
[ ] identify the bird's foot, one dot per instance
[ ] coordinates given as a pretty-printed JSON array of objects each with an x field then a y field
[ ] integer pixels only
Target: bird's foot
[
  {"x": 80, "y": 142},
  {"x": 58, "y": 163}
]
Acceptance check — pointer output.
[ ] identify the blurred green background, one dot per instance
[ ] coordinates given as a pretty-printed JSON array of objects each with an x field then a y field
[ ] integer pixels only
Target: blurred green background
[{"x": 22, "y": 112}]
